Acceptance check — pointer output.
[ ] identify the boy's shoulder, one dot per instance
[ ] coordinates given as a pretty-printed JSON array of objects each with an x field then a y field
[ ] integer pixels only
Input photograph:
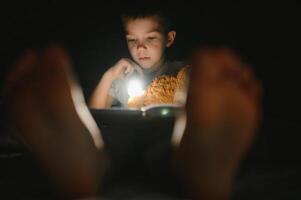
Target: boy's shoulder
[{"x": 173, "y": 67}]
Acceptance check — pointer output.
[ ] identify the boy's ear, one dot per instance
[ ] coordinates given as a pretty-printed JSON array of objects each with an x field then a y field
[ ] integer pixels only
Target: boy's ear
[{"x": 170, "y": 38}]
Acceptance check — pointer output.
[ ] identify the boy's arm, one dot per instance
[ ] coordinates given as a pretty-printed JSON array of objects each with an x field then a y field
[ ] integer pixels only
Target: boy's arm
[{"x": 100, "y": 97}]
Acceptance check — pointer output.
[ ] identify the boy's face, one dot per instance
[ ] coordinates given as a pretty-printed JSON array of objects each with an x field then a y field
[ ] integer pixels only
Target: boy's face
[{"x": 146, "y": 41}]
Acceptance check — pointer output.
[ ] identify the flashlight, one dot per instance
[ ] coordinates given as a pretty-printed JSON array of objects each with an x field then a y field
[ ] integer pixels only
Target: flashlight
[{"x": 134, "y": 87}]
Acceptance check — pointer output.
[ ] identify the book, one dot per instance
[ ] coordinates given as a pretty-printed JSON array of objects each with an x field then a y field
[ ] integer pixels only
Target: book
[
  {"x": 155, "y": 110},
  {"x": 128, "y": 115}
]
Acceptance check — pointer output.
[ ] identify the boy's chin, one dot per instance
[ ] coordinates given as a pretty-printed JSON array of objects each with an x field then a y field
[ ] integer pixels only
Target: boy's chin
[{"x": 146, "y": 66}]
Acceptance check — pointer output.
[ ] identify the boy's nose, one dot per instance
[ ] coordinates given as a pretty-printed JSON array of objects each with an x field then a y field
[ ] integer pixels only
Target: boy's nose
[{"x": 141, "y": 46}]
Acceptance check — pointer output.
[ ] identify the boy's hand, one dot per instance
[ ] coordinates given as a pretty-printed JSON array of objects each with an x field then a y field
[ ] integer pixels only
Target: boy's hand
[{"x": 123, "y": 68}]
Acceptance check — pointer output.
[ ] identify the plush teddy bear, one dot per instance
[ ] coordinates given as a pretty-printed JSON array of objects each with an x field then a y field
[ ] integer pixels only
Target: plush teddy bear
[{"x": 163, "y": 90}]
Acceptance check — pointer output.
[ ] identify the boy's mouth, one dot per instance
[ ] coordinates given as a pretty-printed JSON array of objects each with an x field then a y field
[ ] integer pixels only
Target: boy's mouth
[{"x": 144, "y": 58}]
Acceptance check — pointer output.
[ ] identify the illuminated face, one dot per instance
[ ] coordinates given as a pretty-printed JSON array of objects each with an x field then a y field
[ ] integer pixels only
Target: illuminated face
[{"x": 146, "y": 42}]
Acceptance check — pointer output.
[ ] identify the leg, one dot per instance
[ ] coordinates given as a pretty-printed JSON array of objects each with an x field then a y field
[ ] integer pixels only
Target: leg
[
  {"x": 47, "y": 107},
  {"x": 223, "y": 111}
]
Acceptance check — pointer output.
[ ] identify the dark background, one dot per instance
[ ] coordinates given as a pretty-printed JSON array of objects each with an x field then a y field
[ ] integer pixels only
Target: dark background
[{"x": 265, "y": 34}]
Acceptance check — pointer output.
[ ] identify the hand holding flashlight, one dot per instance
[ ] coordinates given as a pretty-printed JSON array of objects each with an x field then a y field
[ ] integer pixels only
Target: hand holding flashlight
[{"x": 129, "y": 71}]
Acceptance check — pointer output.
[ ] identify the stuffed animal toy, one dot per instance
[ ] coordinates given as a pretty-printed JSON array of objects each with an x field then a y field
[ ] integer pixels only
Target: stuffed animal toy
[{"x": 163, "y": 90}]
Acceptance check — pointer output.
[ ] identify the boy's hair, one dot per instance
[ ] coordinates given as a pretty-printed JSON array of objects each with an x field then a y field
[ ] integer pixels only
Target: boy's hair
[{"x": 144, "y": 12}]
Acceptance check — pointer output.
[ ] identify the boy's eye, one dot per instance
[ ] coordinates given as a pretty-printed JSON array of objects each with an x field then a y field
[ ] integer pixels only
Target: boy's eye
[
  {"x": 131, "y": 40},
  {"x": 151, "y": 38}
]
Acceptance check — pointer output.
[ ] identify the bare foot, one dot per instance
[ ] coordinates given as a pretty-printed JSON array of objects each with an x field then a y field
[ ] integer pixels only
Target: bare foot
[
  {"x": 223, "y": 113},
  {"x": 48, "y": 109}
]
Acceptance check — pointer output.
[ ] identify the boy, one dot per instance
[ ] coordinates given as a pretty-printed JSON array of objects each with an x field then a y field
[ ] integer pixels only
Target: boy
[{"x": 148, "y": 34}]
